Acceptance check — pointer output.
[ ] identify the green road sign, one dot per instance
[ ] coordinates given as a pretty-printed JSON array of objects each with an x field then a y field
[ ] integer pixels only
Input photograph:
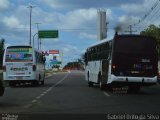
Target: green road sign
[{"x": 48, "y": 33}]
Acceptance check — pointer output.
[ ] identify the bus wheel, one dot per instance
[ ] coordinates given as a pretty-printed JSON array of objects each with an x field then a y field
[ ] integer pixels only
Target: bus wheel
[
  {"x": 12, "y": 84},
  {"x": 134, "y": 89},
  {"x": 35, "y": 83},
  {"x": 42, "y": 82},
  {"x": 101, "y": 83},
  {"x": 90, "y": 84}
]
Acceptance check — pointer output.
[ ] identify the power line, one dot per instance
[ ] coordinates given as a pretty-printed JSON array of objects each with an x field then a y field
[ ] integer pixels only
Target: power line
[
  {"x": 154, "y": 15},
  {"x": 130, "y": 30},
  {"x": 150, "y": 18},
  {"x": 143, "y": 21},
  {"x": 148, "y": 13}
]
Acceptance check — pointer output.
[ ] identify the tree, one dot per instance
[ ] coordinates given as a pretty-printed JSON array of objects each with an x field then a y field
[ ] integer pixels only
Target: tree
[
  {"x": 153, "y": 31},
  {"x": 75, "y": 65}
]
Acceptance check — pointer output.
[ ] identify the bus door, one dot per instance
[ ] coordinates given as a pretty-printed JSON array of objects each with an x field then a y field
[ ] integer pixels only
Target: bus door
[{"x": 105, "y": 68}]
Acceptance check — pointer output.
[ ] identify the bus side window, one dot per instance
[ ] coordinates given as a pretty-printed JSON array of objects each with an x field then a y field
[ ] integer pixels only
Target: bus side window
[{"x": 89, "y": 55}]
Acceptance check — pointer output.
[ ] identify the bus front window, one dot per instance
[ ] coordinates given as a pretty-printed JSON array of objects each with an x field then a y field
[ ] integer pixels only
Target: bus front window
[{"x": 19, "y": 55}]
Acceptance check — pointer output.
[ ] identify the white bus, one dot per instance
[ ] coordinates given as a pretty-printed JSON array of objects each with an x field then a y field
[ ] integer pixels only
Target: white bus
[
  {"x": 23, "y": 64},
  {"x": 127, "y": 60}
]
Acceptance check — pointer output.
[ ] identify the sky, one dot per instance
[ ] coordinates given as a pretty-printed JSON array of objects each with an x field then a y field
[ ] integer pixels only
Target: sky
[{"x": 75, "y": 20}]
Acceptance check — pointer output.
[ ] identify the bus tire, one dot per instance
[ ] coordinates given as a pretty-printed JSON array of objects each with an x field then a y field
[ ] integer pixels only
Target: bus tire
[
  {"x": 134, "y": 89},
  {"x": 90, "y": 84},
  {"x": 35, "y": 83},
  {"x": 42, "y": 82},
  {"x": 101, "y": 84},
  {"x": 12, "y": 84},
  {"x": 101, "y": 81}
]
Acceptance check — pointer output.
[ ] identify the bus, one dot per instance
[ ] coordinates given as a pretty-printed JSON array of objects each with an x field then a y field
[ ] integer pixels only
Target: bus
[
  {"x": 23, "y": 64},
  {"x": 126, "y": 60}
]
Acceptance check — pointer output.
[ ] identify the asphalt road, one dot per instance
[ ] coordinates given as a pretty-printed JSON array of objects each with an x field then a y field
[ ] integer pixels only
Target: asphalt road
[{"x": 68, "y": 94}]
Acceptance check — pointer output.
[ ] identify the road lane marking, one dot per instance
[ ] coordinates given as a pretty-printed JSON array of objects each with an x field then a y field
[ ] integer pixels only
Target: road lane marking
[
  {"x": 106, "y": 94},
  {"x": 28, "y": 106},
  {"x": 48, "y": 90},
  {"x": 33, "y": 101},
  {"x": 6, "y": 88},
  {"x": 60, "y": 81},
  {"x": 45, "y": 92},
  {"x": 38, "y": 97}
]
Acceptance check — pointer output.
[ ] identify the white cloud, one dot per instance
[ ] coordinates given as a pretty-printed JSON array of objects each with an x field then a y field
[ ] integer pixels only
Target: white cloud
[
  {"x": 88, "y": 36},
  {"x": 4, "y": 4},
  {"x": 128, "y": 19},
  {"x": 79, "y": 18},
  {"x": 138, "y": 8},
  {"x": 54, "y": 3},
  {"x": 69, "y": 49},
  {"x": 77, "y": 4},
  {"x": 12, "y": 22},
  {"x": 70, "y": 21}
]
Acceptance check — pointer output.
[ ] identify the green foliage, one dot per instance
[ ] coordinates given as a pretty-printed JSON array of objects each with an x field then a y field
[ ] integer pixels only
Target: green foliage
[
  {"x": 153, "y": 31},
  {"x": 74, "y": 65}
]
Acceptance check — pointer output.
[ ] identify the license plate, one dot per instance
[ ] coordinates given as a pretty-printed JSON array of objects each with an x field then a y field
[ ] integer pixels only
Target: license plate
[{"x": 19, "y": 78}]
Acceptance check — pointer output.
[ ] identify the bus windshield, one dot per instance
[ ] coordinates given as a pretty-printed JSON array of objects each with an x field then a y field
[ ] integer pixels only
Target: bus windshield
[{"x": 19, "y": 54}]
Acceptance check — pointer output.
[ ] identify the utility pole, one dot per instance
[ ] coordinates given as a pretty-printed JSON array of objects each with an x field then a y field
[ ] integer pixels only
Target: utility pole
[
  {"x": 37, "y": 33},
  {"x": 130, "y": 30},
  {"x": 30, "y": 18},
  {"x": 33, "y": 39}
]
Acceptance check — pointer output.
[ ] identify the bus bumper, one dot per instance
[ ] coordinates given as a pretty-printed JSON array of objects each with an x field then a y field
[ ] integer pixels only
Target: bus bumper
[{"x": 142, "y": 81}]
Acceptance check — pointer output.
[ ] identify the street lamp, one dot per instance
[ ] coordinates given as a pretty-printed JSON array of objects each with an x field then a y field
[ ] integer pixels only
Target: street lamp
[
  {"x": 33, "y": 38},
  {"x": 30, "y": 7}
]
